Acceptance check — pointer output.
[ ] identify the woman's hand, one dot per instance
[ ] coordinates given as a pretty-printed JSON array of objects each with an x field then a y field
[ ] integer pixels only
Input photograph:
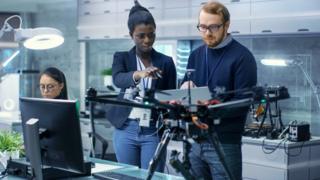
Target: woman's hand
[{"x": 152, "y": 72}]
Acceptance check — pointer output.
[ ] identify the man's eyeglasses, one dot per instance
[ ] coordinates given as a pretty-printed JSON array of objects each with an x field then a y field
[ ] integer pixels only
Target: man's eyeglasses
[
  {"x": 151, "y": 35},
  {"x": 212, "y": 28},
  {"x": 49, "y": 87}
]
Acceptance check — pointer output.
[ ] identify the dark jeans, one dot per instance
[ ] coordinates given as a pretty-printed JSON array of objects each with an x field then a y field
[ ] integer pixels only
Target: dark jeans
[
  {"x": 136, "y": 145},
  {"x": 205, "y": 162}
]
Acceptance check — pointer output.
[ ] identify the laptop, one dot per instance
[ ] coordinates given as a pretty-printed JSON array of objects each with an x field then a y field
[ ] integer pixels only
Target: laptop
[{"x": 199, "y": 93}]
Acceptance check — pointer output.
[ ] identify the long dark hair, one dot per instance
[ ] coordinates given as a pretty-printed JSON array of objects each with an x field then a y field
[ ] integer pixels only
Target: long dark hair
[{"x": 57, "y": 75}]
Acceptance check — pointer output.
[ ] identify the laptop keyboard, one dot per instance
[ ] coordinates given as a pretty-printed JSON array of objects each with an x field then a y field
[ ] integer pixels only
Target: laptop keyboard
[{"x": 114, "y": 176}]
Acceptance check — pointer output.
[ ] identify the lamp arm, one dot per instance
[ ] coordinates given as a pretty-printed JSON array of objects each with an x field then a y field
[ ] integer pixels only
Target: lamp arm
[
  {"x": 7, "y": 27},
  {"x": 311, "y": 83},
  {"x": 307, "y": 76},
  {"x": 11, "y": 17}
]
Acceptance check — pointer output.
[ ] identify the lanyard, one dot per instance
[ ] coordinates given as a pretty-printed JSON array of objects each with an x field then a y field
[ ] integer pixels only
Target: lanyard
[
  {"x": 145, "y": 81},
  {"x": 209, "y": 75}
]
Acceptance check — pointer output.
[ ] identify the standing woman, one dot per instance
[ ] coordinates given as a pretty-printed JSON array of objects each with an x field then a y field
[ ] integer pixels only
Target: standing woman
[
  {"x": 53, "y": 84},
  {"x": 135, "y": 140}
]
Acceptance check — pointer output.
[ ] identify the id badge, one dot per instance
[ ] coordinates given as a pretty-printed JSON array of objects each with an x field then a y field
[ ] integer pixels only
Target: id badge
[{"x": 145, "y": 117}]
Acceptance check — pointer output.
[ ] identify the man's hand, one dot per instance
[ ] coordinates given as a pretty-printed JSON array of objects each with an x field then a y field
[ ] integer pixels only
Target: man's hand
[{"x": 185, "y": 85}]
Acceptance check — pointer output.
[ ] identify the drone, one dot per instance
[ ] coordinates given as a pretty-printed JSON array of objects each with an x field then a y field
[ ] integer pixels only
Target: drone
[{"x": 183, "y": 121}]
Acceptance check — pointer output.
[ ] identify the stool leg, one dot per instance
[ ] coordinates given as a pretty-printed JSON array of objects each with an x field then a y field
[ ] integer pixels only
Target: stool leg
[{"x": 104, "y": 149}]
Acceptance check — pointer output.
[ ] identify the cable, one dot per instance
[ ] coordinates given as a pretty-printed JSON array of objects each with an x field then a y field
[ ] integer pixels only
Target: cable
[
  {"x": 293, "y": 155},
  {"x": 281, "y": 135},
  {"x": 293, "y": 122},
  {"x": 272, "y": 150},
  {"x": 158, "y": 129},
  {"x": 284, "y": 140}
]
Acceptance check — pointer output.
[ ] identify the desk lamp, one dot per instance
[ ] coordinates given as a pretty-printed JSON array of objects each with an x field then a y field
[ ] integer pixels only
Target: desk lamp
[
  {"x": 41, "y": 38},
  {"x": 291, "y": 62},
  {"x": 36, "y": 39}
]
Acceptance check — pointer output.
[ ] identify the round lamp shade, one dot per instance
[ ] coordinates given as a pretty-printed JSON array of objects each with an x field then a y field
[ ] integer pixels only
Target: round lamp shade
[{"x": 44, "y": 38}]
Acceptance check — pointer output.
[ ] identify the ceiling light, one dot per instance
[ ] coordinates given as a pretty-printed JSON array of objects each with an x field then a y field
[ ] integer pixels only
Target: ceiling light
[{"x": 276, "y": 62}]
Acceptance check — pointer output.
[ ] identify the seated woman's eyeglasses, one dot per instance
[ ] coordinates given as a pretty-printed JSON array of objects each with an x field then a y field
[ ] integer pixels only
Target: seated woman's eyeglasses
[
  {"x": 212, "y": 28},
  {"x": 49, "y": 87}
]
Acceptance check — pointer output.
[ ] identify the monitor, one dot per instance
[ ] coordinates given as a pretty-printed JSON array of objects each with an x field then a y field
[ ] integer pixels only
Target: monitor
[{"x": 59, "y": 131}]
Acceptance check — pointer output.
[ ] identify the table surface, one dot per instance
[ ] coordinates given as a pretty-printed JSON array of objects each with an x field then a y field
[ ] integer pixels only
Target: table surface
[
  {"x": 315, "y": 140},
  {"x": 104, "y": 165}
]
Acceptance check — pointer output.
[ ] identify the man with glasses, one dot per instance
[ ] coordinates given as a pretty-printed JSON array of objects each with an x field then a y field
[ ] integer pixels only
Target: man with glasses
[{"x": 221, "y": 63}]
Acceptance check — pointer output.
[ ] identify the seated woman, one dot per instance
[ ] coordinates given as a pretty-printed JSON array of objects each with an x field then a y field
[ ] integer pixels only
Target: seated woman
[{"x": 53, "y": 84}]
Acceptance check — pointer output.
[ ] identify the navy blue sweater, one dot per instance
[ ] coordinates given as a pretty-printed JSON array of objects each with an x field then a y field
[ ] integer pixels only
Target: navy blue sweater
[{"x": 231, "y": 67}]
